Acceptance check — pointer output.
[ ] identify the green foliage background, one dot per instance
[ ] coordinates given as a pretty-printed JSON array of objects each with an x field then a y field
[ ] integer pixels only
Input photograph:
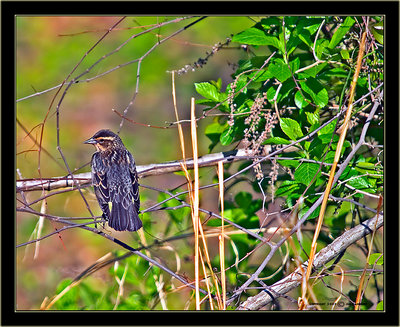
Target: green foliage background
[{"x": 49, "y": 47}]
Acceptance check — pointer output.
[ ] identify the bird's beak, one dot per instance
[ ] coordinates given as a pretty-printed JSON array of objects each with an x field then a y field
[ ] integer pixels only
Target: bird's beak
[{"x": 90, "y": 141}]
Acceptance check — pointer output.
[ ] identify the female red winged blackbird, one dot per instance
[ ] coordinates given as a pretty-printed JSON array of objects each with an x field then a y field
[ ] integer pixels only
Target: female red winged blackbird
[{"x": 115, "y": 181}]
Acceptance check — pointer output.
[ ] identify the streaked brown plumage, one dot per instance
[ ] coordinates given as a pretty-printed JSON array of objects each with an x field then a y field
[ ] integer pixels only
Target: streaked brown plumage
[{"x": 115, "y": 181}]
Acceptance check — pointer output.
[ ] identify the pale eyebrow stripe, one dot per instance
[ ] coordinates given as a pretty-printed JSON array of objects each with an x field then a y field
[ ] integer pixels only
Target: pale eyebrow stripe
[{"x": 110, "y": 138}]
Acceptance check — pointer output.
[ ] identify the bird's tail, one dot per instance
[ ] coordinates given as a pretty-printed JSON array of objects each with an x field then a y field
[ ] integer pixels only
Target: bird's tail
[{"x": 124, "y": 219}]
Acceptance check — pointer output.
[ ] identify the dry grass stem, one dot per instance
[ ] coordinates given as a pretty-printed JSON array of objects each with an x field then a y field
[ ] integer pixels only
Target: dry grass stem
[
  {"x": 195, "y": 200},
  {"x": 333, "y": 168},
  {"x": 221, "y": 237}
]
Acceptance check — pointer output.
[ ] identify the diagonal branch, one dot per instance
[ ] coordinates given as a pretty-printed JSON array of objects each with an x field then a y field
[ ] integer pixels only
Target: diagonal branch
[{"x": 322, "y": 257}]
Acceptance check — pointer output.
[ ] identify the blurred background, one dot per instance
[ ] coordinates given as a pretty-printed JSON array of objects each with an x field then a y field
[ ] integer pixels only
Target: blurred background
[
  {"x": 48, "y": 49},
  {"x": 51, "y": 50}
]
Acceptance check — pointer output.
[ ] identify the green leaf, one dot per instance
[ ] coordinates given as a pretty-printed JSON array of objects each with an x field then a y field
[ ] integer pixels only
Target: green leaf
[
  {"x": 178, "y": 215},
  {"x": 276, "y": 140},
  {"x": 291, "y": 128},
  {"x": 304, "y": 210},
  {"x": 320, "y": 46},
  {"x": 367, "y": 168},
  {"x": 345, "y": 54},
  {"x": 254, "y": 206},
  {"x": 239, "y": 216},
  {"x": 365, "y": 303},
  {"x": 326, "y": 138},
  {"x": 280, "y": 70},
  {"x": 353, "y": 178},
  {"x": 312, "y": 24},
  {"x": 306, "y": 38},
  {"x": 366, "y": 165},
  {"x": 255, "y": 36},
  {"x": 316, "y": 91},
  {"x": 306, "y": 172},
  {"x": 293, "y": 42},
  {"x": 217, "y": 83},
  {"x": 227, "y": 136},
  {"x": 208, "y": 91},
  {"x": 295, "y": 64},
  {"x": 260, "y": 76},
  {"x": 379, "y": 306},
  {"x": 312, "y": 117},
  {"x": 376, "y": 258},
  {"x": 70, "y": 300},
  {"x": 258, "y": 61},
  {"x": 328, "y": 129},
  {"x": 241, "y": 82},
  {"x": 285, "y": 90},
  {"x": 360, "y": 183},
  {"x": 271, "y": 92},
  {"x": 206, "y": 102},
  {"x": 215, "y": 128},
  {"x": 334, "y": 72},
  {"x": 288, "y": 188},
  {"x": 300, "y": 101},
  {"x": 330, "y": 156},
  {"x": 244, "y": 65},
  {"x": 377, "y": 32},
  {"x": 341, "y": 32},
  {"x": 316, "y": 148},
  {"x": 336, "y": 223},
  {"x": 289, "y": 163}
]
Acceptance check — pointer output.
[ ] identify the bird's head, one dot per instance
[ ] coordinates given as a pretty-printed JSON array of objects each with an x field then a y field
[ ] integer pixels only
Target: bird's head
[{"x": 104, "y": 140}]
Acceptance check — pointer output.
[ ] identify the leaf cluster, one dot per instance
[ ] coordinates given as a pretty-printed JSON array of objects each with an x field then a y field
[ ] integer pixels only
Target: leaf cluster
[
  {"x": 302, "y": 67},
  {"x": 306, "y": 79}
]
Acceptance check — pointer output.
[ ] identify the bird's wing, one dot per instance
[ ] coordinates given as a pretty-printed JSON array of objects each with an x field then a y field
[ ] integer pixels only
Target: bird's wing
[
  {"x": 99, "y": 180},
  {"x": 124, "y": 195},
  {"x": 134, "y": 181}
]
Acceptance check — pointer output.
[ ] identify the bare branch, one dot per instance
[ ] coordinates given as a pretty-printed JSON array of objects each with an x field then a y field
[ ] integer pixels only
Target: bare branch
[
  {"x": 84, "y": 179},
  {"x": 168, "y": 167},
  {"x": 322, "y": 257}
]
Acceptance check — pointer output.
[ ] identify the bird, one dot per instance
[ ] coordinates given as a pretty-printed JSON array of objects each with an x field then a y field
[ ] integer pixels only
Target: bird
[{"x": 115, "y": 181}]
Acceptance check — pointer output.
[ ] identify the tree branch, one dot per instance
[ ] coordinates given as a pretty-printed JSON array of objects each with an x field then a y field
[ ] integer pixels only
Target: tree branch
[
  {"x": 322, "y": 257},
  {"x": 84, "y": 179}
]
